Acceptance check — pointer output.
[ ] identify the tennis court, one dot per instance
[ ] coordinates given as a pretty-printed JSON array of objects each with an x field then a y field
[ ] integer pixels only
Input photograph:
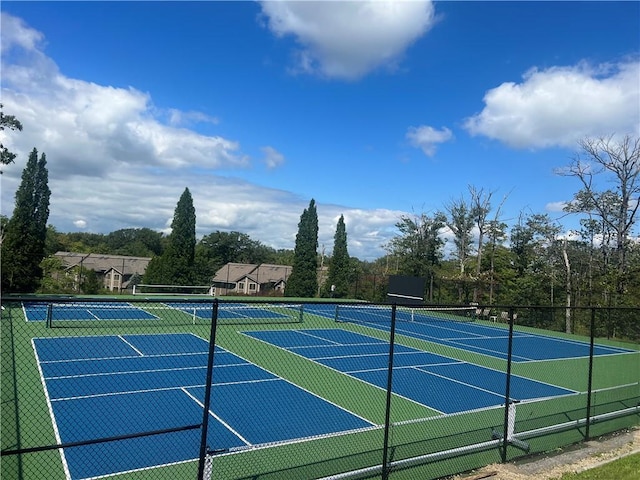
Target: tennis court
[
  {"x": 298, "y": 390},
  {"x": 240, "y": 311},
  {"x": 465, "y": 334},
  {"x": 37, "y": 312},
  {"x": 443, "y": 384},
  {"x": 114, "y": 385},
  {"x": 86, "y": 313}
]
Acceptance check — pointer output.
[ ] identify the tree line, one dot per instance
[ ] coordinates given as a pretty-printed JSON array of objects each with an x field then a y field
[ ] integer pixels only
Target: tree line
[
  {"x": 534, "y": 261},
  {"x": 466, "y": 251}
]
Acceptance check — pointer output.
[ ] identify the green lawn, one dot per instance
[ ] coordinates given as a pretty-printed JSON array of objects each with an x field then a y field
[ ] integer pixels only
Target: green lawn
[{"x": 627, "y": 468}]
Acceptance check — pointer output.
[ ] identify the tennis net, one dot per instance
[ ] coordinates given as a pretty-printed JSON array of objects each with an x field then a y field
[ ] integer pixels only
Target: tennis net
[
  {"x": 140, "y": 314},
  {"x": 173, "y": 290},
  {"x": 255, "y": 313},
  {"x": 381, "y": 313}
]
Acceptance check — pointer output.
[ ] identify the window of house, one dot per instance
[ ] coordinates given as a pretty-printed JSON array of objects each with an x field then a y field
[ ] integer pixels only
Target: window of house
[
  {"x": 241, "y": 286},
  {"x": 252, "y": 286}
]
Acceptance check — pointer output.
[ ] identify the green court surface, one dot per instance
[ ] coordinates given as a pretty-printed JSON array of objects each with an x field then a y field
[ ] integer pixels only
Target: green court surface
[{"x": 415, "y": 430}]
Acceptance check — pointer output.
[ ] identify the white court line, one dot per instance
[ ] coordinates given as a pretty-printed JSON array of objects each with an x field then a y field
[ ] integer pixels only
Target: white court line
[
  {"x": 152, "y": 370},
  {"x": 296, "y": 385},
  {"x": 475, "y": 387},
  {"x": 226, "y": 425},
  {"x": 56, "y": 431},
  {"x": 124, "y": 357},
  {"x": 343, "y": 373},
  {"x": 466, "y": 348},
  {"x": 405, "y": 367},
  {"x": 302, "y": 347},
  {"x": 131, "y": 345},
  {"x": 163, "y": 389},
  {"x": 126, "y": 372},
  {"x": 316, "y": 336}
]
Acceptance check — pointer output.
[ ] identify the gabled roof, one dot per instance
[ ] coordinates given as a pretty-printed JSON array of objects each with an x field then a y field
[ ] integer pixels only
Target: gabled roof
[
  {"x": 233, "y": 272},
  {"x": 99, "y": 262},
  {"x": 263, "y": 273}
]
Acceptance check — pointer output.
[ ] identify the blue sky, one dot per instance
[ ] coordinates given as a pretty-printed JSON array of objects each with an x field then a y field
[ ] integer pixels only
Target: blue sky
[{"x": 374, "y": 109}]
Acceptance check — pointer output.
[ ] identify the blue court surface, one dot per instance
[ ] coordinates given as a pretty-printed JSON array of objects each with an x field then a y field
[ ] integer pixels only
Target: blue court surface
[
  {"x": 37, "y": 312},
  {"x": 113, "y": 385},
  {"x": 443, "y": 384},
  {"x": 470, "y": 336}
]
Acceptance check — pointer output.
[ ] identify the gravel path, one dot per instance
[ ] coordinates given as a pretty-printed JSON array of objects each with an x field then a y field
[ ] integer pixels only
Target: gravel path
[{"x": 574, "y": 459}]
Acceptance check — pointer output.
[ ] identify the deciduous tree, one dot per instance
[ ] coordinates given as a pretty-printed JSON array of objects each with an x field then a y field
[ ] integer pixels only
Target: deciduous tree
[
  {"x": 618, "y": 161},
  {"x": 418, "y": 247},
  {"x": 460, "y": 221}
]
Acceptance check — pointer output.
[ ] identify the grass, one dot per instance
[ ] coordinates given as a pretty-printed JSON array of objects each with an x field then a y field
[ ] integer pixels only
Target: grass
[{"x": 627, "y": 468}]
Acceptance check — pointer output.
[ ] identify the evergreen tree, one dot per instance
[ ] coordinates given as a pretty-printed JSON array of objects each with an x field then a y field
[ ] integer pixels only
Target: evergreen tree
[
  {"x": 155, "y": 272},
  {"x": 338, "y": 280},
  {"x": 90, "y": 283},
  {"x": 175, "y": 265},
  {"x": 182, "y": 242},
  {"x": 303, "y": 281},
  {"x": 24, "y": 241}
]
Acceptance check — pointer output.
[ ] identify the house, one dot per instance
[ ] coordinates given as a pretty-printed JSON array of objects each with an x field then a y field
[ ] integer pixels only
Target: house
[
  {"x": 115, "y": 272},
  {"x": 251, "y": 279}
]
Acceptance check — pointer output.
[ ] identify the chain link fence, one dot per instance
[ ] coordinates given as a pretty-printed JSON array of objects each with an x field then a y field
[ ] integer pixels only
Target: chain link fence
[{"x": 171, "y": 388}]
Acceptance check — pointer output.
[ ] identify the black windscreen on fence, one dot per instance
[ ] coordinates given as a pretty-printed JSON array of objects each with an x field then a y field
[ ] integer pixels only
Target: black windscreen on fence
[{"x": 115, "y": 388}]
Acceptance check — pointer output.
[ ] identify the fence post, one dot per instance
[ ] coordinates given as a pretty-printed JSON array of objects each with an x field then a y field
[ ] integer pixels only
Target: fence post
[
  {"x": 207, "y": 391},
  {"x": 387, "y": 419},
  {"x": 592, "y": 335},
  {"x": 507, "y": 391}
]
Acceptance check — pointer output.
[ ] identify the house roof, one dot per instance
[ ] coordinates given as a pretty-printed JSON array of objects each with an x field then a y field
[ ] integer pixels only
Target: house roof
[
  {"x": 263, "y": 273},
  {"x": 98, "y": 262}
]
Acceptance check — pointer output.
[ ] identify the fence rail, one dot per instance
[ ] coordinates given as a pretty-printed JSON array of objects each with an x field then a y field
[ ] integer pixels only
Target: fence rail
[{"x": 170, "y": 387}]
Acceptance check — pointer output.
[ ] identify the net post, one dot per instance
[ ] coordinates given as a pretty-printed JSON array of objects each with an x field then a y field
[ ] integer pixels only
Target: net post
[
  {"x": 301, "y": 312},
  {"x": 592, "y": 327},
  {"x": 507, "y": 390},
  {"x": 49, "y": 315},
  {"x": 207, "y": 393}
]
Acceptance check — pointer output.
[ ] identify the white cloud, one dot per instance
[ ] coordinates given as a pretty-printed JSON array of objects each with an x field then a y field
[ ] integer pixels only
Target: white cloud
[
  {"x": 347, "y": 40},
  {"x": 367, "y": 230},
  {"x": 560, "y": 105},
  {"x": 114, "y": 164},
  {"x": 179, "y": 118},
  {"x": 427, "y": 138},
  {"x": 272, "y": 158},
  {"x": 555, "y": 206},
  {"x": 15, "y": 33},
  {"x": 90, "y": 128}
]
